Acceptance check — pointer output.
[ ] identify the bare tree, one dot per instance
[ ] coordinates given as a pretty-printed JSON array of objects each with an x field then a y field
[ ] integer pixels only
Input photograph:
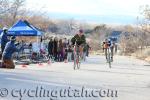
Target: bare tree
[
  {"x": 67, "y": 26},
  {"x": 10, "y": 11},
  {"x": 145, "y": 24},
  {"x": 145, "y": 11},
  {"x": 41, "y": 22},
  {"x": 100, "y": 32},
  {"x": 16, "y": 9},
  {"x": 4, "y": 6}
]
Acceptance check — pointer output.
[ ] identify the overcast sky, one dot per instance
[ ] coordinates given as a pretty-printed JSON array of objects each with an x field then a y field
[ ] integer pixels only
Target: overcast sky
[{"x": 92, "y": 10}]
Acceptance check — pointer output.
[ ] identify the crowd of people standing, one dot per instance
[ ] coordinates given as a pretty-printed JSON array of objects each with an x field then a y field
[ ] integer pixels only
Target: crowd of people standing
[{"x": 62, "y": 49}]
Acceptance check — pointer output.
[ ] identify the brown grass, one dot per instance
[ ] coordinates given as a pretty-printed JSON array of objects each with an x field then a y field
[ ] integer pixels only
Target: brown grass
[{"x": 143, "y": 54}]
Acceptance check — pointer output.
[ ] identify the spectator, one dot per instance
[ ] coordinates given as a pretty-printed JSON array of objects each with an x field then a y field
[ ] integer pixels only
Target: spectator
[
  {"x": 85, "y": 47},
  {"x": 88, "y": 48},
  {"x": 65, "y": 44},
  {"x": 30, "y": 47},
  {"x": 60, "y": 51},
  {"x": 50, "y": 48},
  {"x": 4, "y": 39},
  {"x": 69, "y": 53},
  {"x": 55, "y": 47},
  {"x": 22, "y": 44}
]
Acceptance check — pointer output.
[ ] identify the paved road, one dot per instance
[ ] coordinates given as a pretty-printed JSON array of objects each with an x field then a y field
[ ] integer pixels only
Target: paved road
[{"x": 128, "y": 79}]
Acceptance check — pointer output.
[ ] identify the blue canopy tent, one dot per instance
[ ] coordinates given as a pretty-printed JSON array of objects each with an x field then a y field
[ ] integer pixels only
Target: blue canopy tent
[{"x": 23, "y": 28}]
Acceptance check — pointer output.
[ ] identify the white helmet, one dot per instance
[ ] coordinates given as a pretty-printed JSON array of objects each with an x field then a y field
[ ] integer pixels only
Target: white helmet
[{"x": 5, "y": 28}]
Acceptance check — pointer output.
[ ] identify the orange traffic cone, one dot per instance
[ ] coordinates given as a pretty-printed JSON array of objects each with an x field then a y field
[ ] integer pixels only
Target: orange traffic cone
[{"x": 49, "y": 62}]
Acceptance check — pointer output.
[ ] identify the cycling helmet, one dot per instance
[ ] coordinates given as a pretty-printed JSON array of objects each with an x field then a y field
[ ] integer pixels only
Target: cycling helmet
[{"x": 80, "y": 31}]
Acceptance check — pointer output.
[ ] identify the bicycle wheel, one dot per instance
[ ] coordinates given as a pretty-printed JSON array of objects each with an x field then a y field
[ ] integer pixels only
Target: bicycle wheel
[
  {"x": 75, "y": 62},
  {"x": 78, "y": 62},
  {"x": 108, "y": 57}
]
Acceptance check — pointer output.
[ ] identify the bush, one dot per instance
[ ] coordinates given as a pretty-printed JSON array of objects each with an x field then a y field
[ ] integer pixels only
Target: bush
[{"x": 142, "y": 54}]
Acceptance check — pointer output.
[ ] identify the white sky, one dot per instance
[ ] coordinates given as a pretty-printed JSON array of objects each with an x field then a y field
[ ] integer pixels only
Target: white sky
[
  {"x": 96, "y": 7},
  {"x": 89, "y": 7}
]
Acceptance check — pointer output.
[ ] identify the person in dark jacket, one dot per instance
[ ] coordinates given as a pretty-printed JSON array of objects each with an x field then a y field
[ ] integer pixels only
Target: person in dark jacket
[
  {"x": 7, "y": 61},
  {"x": 79, "y": 38},
  {"x": 4, "y": 39},
  {"x": 50, "y": 48},
  {"x": 88, "y": 49},
  {"x": 84, "y": 51},
  {"x": 65, "y": 44},
  {"x": 60, "y": 51},
  {"x": 30, "y": 47},
  {"x": 55, "y": 47}
]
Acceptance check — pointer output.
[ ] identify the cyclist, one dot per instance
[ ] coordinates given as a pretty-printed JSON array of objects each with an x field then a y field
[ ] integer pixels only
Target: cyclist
[
  {"x": 108, "y": 44},
  {"x": 80, "y": 40}
]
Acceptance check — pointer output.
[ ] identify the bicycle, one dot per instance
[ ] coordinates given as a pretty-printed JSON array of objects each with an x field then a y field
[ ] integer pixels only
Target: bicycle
[
  {"x": 76, "y": 53},
  {"x": 39, "y": 57}
]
